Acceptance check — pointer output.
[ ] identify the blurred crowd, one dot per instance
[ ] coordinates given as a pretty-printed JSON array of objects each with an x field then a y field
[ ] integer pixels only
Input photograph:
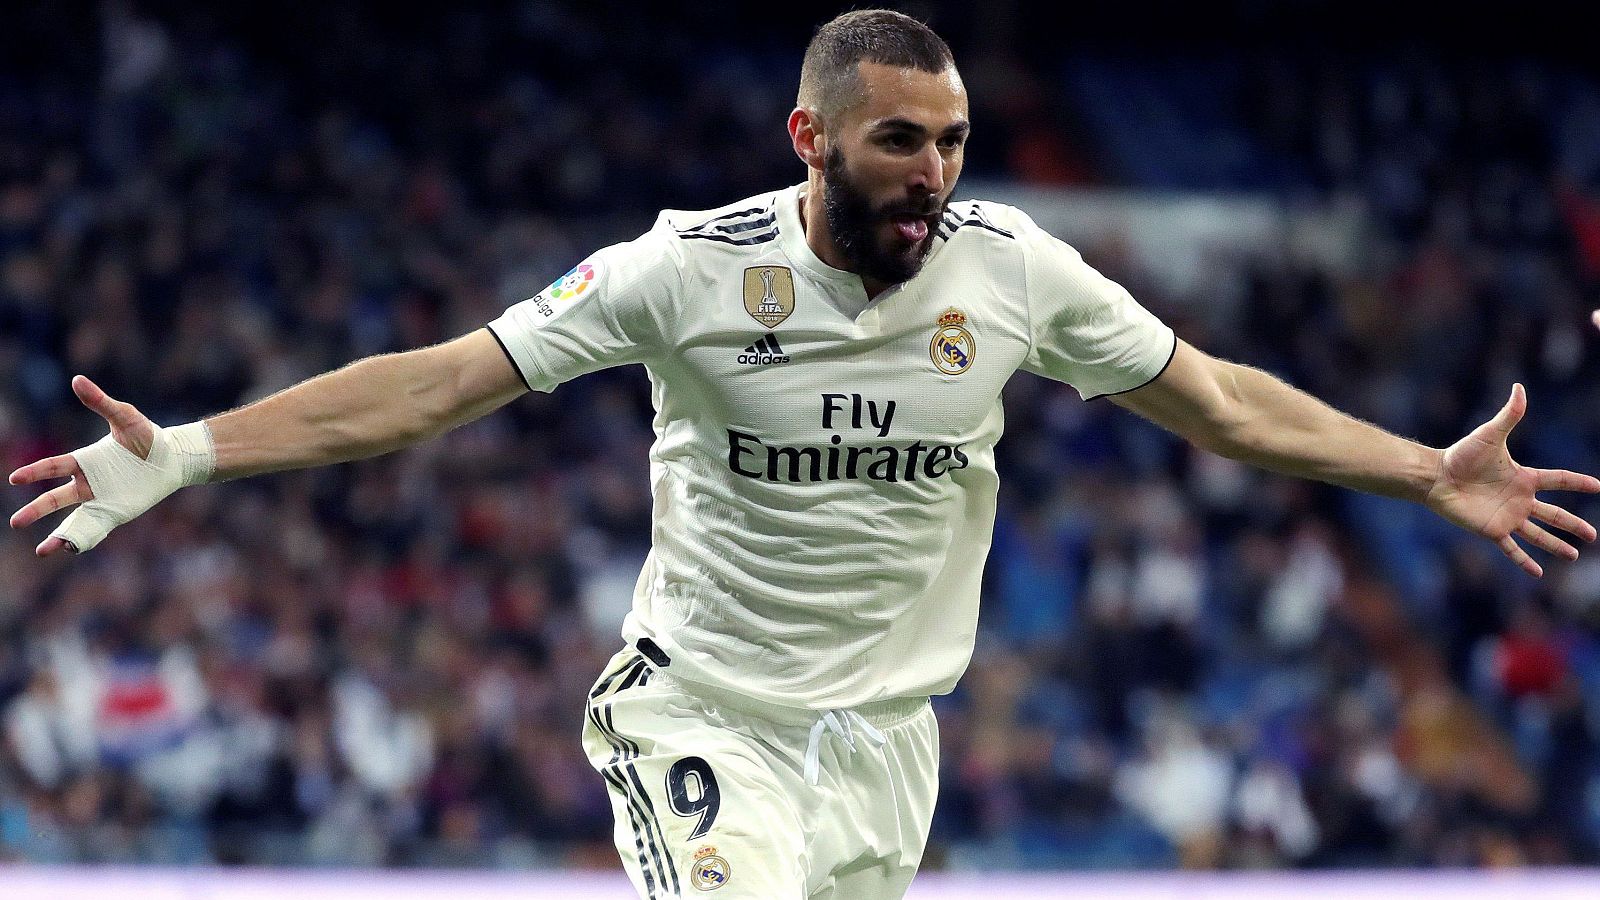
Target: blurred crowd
[{"x": 1182, "y": 661}]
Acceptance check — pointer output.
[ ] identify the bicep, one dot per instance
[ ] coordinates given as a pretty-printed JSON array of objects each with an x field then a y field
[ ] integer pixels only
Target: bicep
[
  {"x": 480, "y": 377},
  {"x": 1195, "y": 396}
]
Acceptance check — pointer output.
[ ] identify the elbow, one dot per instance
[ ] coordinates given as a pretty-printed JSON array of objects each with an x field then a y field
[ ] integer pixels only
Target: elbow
[
  {"x": 434, "y": 394},
  {"x": 400, "y": 408},
  {"x": 428, "y": 413},
  {"x": 419, "y": 427},
  {"x": 1231, "y": 420},
  {"x": 377, "y": 430},
  {"x": 1233, "y": 437}
]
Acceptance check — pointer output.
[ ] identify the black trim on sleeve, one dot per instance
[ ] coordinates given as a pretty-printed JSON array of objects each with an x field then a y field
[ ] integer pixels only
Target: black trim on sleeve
[
  {"x": 1170, "y": 357},
  {"x": 509, "y": 357}
]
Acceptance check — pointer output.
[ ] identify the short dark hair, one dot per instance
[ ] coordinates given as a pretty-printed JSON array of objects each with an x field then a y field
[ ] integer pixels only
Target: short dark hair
[{"x": 828, "y": 77}]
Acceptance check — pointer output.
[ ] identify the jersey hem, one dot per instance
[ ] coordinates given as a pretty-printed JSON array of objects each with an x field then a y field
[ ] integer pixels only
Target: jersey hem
[
  {"x": 513, "y": 360},
  {"x": 1164, "y": 366}
]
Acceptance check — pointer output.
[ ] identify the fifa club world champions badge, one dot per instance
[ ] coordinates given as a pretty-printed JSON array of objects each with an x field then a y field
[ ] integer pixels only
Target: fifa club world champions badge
[
  {"x": 768, "y": 294},
  {"x": 953, "y": 348},
  {"x": 710, "y": 871}
]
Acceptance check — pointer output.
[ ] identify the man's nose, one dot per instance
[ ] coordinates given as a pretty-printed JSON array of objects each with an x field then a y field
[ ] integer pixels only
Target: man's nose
[{"x": 928, "y": 175}]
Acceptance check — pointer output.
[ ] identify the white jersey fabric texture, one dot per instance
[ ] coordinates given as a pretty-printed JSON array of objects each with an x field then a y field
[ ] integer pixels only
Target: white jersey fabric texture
[{"x": 823, "y": 468}]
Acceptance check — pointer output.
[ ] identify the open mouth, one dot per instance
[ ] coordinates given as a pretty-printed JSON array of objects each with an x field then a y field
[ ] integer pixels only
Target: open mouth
[{"x": 912, "y": 229}]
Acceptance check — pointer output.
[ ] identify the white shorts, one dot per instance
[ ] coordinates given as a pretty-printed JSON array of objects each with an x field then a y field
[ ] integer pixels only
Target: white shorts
[{"x": 710, "y": 790}]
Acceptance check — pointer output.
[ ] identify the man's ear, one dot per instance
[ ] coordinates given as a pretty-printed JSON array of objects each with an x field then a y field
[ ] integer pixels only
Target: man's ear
[{"x": 807, "y": 134}]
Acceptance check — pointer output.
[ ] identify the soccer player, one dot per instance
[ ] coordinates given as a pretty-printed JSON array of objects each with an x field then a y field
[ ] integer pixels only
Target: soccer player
[{"x": 827, "y": 361}]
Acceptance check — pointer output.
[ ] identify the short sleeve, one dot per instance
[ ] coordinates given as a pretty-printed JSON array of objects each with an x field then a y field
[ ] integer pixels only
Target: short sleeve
[
  {"x": 1086, "y": 329},
  {"x": 609, "y": 310}
]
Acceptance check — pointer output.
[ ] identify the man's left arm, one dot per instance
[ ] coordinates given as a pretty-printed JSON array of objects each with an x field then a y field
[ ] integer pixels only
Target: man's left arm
[{"x": 1248, "y": 415}]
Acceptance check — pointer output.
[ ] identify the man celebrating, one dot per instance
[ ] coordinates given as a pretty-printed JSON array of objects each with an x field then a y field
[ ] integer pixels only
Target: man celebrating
[{"x": 827, "y": 362}]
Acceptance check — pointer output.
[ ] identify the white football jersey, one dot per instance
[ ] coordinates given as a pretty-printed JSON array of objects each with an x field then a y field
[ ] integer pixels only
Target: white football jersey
[{"x": 823, "y": 468}]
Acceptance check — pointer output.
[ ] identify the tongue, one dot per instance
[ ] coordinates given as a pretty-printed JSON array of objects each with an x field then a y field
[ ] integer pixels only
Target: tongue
[{"x": 912, "y": 230}]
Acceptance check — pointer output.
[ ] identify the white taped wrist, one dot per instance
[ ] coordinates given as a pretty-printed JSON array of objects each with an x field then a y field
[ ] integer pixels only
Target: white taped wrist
[
  {"x": 125, "y": 486},
  {"x": 197, "y": 455}
]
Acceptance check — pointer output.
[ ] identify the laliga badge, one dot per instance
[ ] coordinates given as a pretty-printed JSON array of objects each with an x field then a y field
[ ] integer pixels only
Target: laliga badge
[
  {"x": 953, "y": 347},
  {"x": 570, "y": 286},
  {"x": 709, "y": 871},
  {"x": 578, "y": 279},
  {"x": 768, "y": 293}
]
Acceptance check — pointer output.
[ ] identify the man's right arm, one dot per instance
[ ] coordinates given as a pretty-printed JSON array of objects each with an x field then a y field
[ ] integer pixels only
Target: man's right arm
[
  {"x": 370, "y": 407},
  {"x": 611, "y": 309},
  {"x": 373, "y": 406}
]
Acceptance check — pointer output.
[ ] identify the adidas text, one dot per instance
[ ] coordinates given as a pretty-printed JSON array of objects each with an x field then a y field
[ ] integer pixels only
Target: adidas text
[{"x": 765, "y": 352}]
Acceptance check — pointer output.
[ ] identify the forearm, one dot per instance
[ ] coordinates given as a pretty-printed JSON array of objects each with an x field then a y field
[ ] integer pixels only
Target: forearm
[
  {"x": 372, "y": 406},
  {"x": 1267, "y": 423}
]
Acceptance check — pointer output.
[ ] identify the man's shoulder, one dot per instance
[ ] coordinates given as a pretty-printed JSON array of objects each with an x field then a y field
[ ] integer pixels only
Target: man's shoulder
[{"x": 750, "y": 222}]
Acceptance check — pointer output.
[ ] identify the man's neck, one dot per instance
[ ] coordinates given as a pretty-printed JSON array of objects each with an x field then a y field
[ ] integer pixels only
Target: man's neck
[{"x": 814, "y": 221}]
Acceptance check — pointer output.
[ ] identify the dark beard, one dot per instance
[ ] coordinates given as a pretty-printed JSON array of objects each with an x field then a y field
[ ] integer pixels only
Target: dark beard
[{"x": 854, "y": 225}]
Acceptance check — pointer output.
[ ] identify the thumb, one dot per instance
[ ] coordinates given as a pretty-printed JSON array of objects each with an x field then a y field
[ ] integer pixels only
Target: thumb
[
  {"x": 93, "y": 397},
  {"x": 1510, "y": 414},
  {"x": 129, "y": 427},
  {"x": 117, "y": 413}
]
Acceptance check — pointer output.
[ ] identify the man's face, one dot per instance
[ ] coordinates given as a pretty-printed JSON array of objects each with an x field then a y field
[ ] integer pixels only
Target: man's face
[{"x": 891, "y": 163}]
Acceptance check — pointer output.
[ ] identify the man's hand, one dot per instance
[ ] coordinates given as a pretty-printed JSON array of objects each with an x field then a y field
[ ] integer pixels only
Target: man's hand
[
  {"x": 1482, "y": 489},
  {"x": 115, "y": 478}
]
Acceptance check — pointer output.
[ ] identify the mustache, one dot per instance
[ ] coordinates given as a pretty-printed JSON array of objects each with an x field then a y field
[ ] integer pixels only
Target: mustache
[{"x": 930, "y": 208}]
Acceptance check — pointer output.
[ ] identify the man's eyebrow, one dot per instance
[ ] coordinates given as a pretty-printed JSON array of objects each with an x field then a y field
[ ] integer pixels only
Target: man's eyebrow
[{"x": 960, "y": 126}]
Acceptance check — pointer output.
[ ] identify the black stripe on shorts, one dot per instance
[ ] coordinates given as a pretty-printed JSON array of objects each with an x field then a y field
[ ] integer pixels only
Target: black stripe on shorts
[{"x": 649, "y": 837}]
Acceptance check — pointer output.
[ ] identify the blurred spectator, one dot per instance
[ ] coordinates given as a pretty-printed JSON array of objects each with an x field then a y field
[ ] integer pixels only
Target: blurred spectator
[{"x": 1182, "y": 785}]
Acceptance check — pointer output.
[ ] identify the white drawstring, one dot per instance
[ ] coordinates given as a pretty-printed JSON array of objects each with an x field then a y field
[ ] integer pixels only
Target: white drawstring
[{"x": 837, "y": 721}]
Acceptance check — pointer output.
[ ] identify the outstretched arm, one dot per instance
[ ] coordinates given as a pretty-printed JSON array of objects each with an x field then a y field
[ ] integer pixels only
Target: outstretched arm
[
  {"x": 369, "y": 407},
  {"x": 1248, "y": 415}
]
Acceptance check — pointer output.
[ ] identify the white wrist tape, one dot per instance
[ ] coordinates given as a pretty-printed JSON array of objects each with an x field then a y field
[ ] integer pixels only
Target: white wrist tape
[{"x": 125, "y": 486}]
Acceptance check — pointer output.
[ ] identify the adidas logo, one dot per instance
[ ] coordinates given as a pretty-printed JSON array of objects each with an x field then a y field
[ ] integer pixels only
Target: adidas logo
[{"x": 764, "y": 352}]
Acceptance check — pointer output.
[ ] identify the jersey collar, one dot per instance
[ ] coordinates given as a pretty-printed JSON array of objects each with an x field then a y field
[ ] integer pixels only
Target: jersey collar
[
  {"x": 792, "y": 234},
  {"x": 792, "y": 237}
]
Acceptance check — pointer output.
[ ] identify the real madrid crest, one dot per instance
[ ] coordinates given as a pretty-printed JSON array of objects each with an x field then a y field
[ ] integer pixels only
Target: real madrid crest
[
  {"x": 709, "y": 871},
  {"x": 953, "y": 348},
  {"x": 769, "y": 293}
]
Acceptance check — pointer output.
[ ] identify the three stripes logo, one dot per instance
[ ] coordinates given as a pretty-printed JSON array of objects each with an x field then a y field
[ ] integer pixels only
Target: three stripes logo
[
  {"x": 621, "y": 774},
  {"x": 765, "y": 352}
]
